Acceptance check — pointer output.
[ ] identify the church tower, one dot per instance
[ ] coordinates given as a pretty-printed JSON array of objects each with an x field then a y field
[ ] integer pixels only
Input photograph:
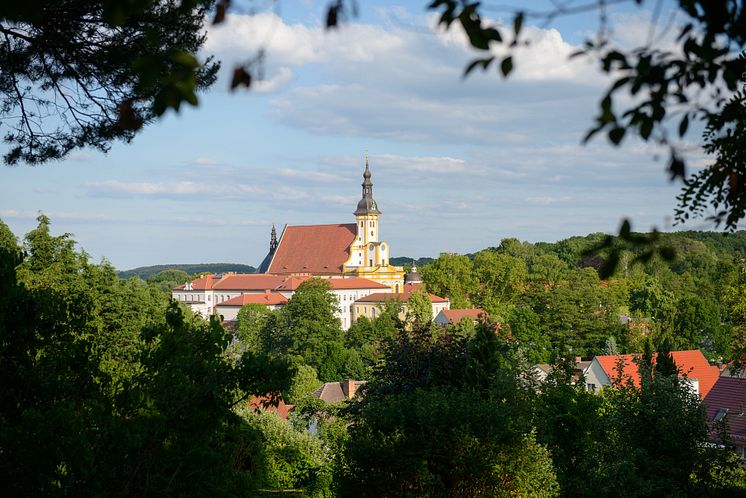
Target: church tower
[
  {"x": 366, "y": 216},
  {"x": 369, "y": 256}
]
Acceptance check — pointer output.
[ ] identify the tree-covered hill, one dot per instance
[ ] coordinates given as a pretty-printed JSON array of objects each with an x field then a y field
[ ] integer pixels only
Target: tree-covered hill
[{"x": 145, "y": 272}]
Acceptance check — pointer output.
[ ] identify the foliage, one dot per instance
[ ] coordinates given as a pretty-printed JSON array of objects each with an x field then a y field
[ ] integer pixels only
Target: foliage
[
  {"x": 479, "y": 444},
  {"x": 452, "y": 276},
  {"x": 419, "y": 308},
  {"x": 287, "y": 458},
  {"x": 93, "y": 363},
  {"x": 85, "y": 74}
]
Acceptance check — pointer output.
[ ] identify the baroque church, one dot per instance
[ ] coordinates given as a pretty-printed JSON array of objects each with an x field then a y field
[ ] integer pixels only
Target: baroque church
[
  {"x": 350, "y": 256},
  {"x": 338, "y": 250}
]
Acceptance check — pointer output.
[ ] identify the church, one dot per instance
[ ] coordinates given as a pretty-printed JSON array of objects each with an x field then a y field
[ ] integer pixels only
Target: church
[
  {"x": 339, "y": 250},
  {"x": 350, "y": 256}
]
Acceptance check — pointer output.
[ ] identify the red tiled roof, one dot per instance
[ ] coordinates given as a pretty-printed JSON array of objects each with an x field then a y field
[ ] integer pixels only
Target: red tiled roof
[
  {"x": 355, "y": 283},
  {"x": 691, "y": 362},
  {"x": 248, "y": 282},
  {"x": 334, "y": 392},
  {"x": 292, "y": 283},
  {"x": 203, "y": 283},
  {"x": 317, "y": 249},
  {"x": 262, "y": 403},
  {"x": 455, "y": 316},
  {"x": 382, "y": 297},
  {"x": 266, "y": 299},
  {"x": 729, "y": 393}
]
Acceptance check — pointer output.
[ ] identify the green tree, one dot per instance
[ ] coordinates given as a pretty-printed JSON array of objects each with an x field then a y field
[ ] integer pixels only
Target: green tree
[
  {"x": 286, "y": 458},
  {"x": 533, "y": 340},
  {"x": 419, "y": 309},
  {"x": 696, "y": 323},
  {"x": 85, "y": 74},
  {"x": 452, "y": 276},
  {"x": 252, "y": 320},
  {"x": 502, "y": 278},
  {"x": 481, "y": 441}
]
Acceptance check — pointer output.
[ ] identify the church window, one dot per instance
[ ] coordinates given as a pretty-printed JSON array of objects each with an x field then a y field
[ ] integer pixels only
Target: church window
[
  {"x": 371, "y": 262},
  {"x": 361, "y": 224},
  {"x": 371, "y": 233},
  {"x": 372, "y": 224}
]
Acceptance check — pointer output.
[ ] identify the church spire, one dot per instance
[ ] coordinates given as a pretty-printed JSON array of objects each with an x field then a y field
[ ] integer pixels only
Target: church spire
[
  {"x": 367, "y": 205},
  {"x": 273, "y": 240}
]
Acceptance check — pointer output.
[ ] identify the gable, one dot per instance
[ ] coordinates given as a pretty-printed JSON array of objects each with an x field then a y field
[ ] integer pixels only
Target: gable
[{"x": 313, "y": 249}]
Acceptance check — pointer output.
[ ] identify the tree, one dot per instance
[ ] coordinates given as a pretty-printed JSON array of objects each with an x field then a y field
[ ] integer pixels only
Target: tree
[
  {"x": 453, "y": 276},
  {"x": 480, "y": 443},
  {"x": 93, "y": 363},
  {"x": 419, "y": 309},
  {"x": 83, "y": 74},
  {"x": 661, "y": 84},
  {"x": 252, "y": 319}
]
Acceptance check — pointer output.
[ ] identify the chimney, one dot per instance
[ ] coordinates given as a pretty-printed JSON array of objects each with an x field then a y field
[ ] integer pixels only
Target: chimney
[
  {"x": 578, "y": 359},
  {"x": 348, "y": 388}
]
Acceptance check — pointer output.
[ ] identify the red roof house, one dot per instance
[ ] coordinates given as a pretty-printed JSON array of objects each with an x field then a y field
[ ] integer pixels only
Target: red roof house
[
  {"x": 451, "y": 317},
  {"x": 726, "y": 402},
  {"x": 691, "y": 363}
]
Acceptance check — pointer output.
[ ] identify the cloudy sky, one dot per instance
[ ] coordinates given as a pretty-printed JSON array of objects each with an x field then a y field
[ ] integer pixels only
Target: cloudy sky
[{"x": 458, "y": 164}]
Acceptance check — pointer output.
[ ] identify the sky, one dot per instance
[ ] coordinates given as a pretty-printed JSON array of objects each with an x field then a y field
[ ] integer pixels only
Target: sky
[{"x": 458, "y": 163}]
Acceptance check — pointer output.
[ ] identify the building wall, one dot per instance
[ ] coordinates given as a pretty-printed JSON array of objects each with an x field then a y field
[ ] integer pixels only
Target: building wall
[{"x": 595, "y": 377}]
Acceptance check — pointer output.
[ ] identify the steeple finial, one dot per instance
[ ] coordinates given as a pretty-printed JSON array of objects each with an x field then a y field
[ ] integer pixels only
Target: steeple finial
[{"x": 367, "y": 204}]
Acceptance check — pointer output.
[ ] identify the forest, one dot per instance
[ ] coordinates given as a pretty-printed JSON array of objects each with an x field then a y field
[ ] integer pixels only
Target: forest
[{"x": 110, "y": 388}]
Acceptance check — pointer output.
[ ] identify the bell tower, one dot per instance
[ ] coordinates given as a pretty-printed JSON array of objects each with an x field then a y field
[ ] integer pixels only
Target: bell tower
[{"x": 369, "y": 256}]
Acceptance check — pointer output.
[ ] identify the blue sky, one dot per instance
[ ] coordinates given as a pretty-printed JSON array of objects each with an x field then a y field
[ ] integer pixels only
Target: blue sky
[{"x": 457, "y": 164}]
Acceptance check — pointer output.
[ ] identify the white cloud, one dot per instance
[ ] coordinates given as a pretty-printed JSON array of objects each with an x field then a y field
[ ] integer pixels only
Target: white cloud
[
  {"x": 115, "y": 188},
  {"x": 305, "y": 175},
  {"x": 546, "y": 200}
]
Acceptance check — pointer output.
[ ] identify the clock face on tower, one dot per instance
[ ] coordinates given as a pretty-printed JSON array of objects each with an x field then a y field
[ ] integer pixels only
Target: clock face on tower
[{"x": 371, "y": 247}]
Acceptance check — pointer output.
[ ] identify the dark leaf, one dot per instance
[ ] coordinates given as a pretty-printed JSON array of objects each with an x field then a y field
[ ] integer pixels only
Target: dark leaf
[
  {"x": 518, "y": 23},
  {"x": 683, "y": 125},
  {"x": 506, "y": 66},
  {"x": 478, "y": 62},
  {"x": 220, "y": 10},
  {"x": 616, "y": 135},
  {"x": 676, "y": 168},
  {"x": 240, "y": 78}
]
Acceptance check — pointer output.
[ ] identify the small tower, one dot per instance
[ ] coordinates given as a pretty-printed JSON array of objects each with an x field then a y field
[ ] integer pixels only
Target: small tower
[
  {"x": 413, "y": 277},
  {"x": 273, "y": 240}
]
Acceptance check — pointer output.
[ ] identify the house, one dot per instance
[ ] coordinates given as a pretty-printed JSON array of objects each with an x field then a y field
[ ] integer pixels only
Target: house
[
  {"x": 335, "y": 392},
  {"x": 203, "y": 294},
  {"x": 580, "y": 371},
  {"x": 726, "y": 402},
  {"x": 692, "y": 364},
  {"x": 229, "y": 309},
  {"x": 452, "y": 317},
  {"x": 346, "y": 290},
  {"x": 264, "y": 404},
  {"x": 370, "y": 306}
]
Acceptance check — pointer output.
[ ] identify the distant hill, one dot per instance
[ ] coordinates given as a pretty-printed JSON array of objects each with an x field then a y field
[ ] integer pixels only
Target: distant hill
[
  {"x": 404, "y": 261},
  {"x": 144, "y": 272}
]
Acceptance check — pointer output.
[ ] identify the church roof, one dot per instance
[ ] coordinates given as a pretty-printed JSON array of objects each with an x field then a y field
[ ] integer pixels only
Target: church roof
[{"x": 313, "y": 249}]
